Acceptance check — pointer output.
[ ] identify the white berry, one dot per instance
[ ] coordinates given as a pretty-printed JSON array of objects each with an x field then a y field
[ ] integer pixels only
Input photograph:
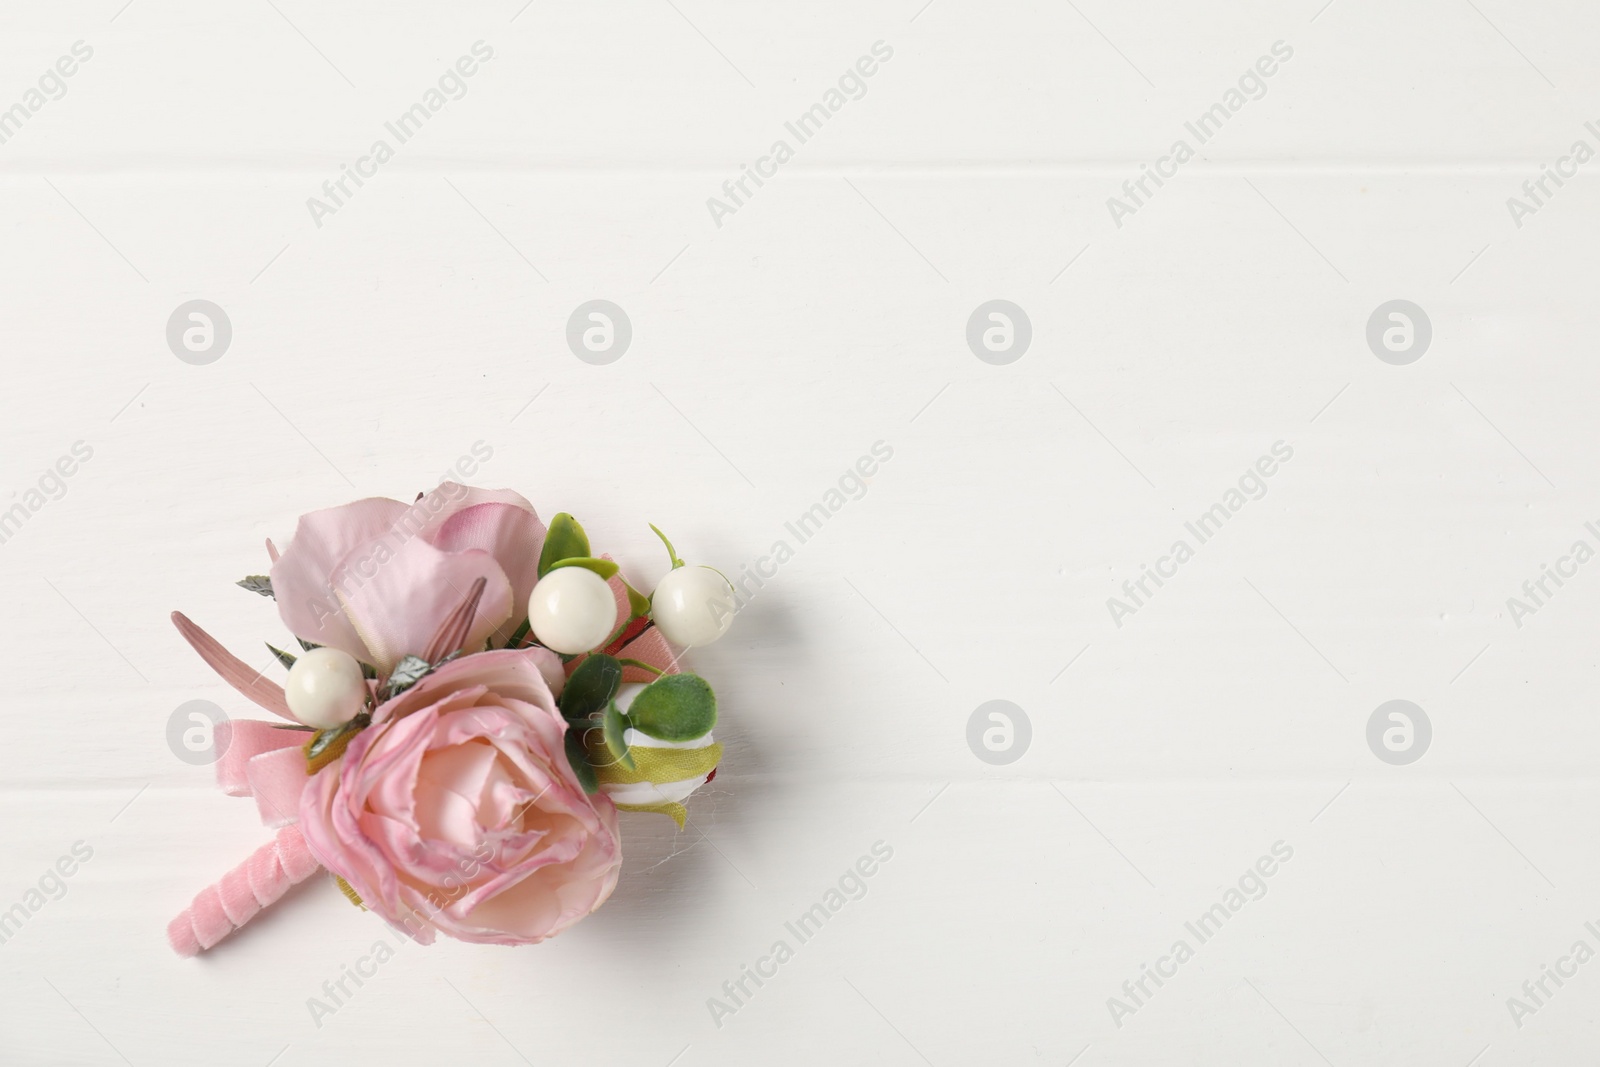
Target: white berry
[
  {"x": 692, "y": 606},
  {"x": 325, "y": 688},
  {"x": 572, "y": 610}
]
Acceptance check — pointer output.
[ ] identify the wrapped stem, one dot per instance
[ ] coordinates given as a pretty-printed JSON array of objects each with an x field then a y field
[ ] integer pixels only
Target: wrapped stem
[{"x": 264, "y": 878}]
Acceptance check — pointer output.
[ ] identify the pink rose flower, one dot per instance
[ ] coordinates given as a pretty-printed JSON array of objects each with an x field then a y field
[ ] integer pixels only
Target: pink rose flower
[
  {"x": 374, "y": 578},
  {"x": 458, "y": 812}
]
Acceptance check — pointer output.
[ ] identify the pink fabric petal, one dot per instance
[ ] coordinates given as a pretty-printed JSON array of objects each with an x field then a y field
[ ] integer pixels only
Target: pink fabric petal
[
  {"x": 318, "y": 566},
  {"x": 397, "y": 610},
  {"x": 452, "y": 498},
  {"x": 513, "y": 535},
  {"x": 548, "y": 900},
  {"x": 521, "y": 674},
  {"x": 449, "y": 784}
]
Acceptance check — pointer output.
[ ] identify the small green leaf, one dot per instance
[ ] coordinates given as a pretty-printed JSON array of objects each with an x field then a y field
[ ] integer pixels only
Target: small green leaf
[
  {"x": 564, "y": 539},
  {"x": 306, "y": 646},
  {"x": 676, "y": 707},
  {"x": 326, "y": 746},
  {"x": 591, "y": 686},
  {"x": 615, "y": 733},
  {"x": 603, "y": 567},
  {"x": 283, "y": 657},
  {"x": 638, "y": 603},
  {"x": 257, "y": 583},
  {"x": 672, "y": 553},
  {"x": 407, "y": 673},
  {"x": 580, "y": 762}
]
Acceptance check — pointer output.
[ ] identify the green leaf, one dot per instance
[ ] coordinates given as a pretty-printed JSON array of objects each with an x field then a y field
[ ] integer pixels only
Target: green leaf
[
  {"x": 407, "y": 673},
  {"x": 672, "y": 553},
  {"x": 283, "y": 657},
  {"x": 326, "y": 746},
  {"x": 257, "y": 583},
  {"x": 564, "y": 539},
  {"x": 615, "y": 733},
  {"x": 603, "y": 567},
  {"x": 580, "y": 762},
  {"x": 306, "y": 646},
  {"x": 638, "y": 603},
  {"x": 591, "y": 686},
  {"x": 676, "y": 707}
]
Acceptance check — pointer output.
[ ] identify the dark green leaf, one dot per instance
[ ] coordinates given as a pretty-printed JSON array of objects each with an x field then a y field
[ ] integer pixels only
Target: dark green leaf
[
  {"x": 676, "y": 707},
  {"x": 603, "y": 567},
  {"x": 580, "y": 761},
  {"x": 564, "y": 539},
  {"x": 407, "y": 673},
  {"x": 283, "y": 657},
  {"x": 306, "y": 646},
  {"x": 672, "y": 553},
  {"x": 591, "y": 686},
  {"x": 615, "y": 733},
  {"x": 257, "y": 583}
]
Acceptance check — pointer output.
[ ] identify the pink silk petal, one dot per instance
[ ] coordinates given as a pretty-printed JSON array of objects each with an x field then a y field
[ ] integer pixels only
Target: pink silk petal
[
  {"x": 449, "y": 784},
  {"x": 276, "y": 780},
  {"x": 513, "y": 535},
  {"x": 318, "y": 563},
  {"x": 397, "y": 610},
  {"x": 272, "y": 551},
  {"x": 523, "y": 674},
  {"x": 452, "y": 498},
  {"x": 233, "y": 670},
  {"x": 240, "y": 741},
  {"x": 261, "y": 880},
  {"x": 551, "y": 668}
]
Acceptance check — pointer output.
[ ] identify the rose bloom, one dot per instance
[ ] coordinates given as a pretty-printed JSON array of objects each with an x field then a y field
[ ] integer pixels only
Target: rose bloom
[
  {"x": 457, "y": 811},
  {"x": 373, "y": 578}
]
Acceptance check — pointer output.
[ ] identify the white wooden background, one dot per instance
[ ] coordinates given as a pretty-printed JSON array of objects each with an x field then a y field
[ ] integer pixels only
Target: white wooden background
[{"x": 828, "y": 313}]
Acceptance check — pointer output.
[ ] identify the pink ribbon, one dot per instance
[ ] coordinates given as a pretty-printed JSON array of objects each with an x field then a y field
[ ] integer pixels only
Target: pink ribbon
[
  {"x": 261, "y": 760},
  {"x": 221, "y": 909}
]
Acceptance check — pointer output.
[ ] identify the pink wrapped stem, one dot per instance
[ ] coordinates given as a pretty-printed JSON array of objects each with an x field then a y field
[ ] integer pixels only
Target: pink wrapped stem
[{"x": 262, "y": 879}]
